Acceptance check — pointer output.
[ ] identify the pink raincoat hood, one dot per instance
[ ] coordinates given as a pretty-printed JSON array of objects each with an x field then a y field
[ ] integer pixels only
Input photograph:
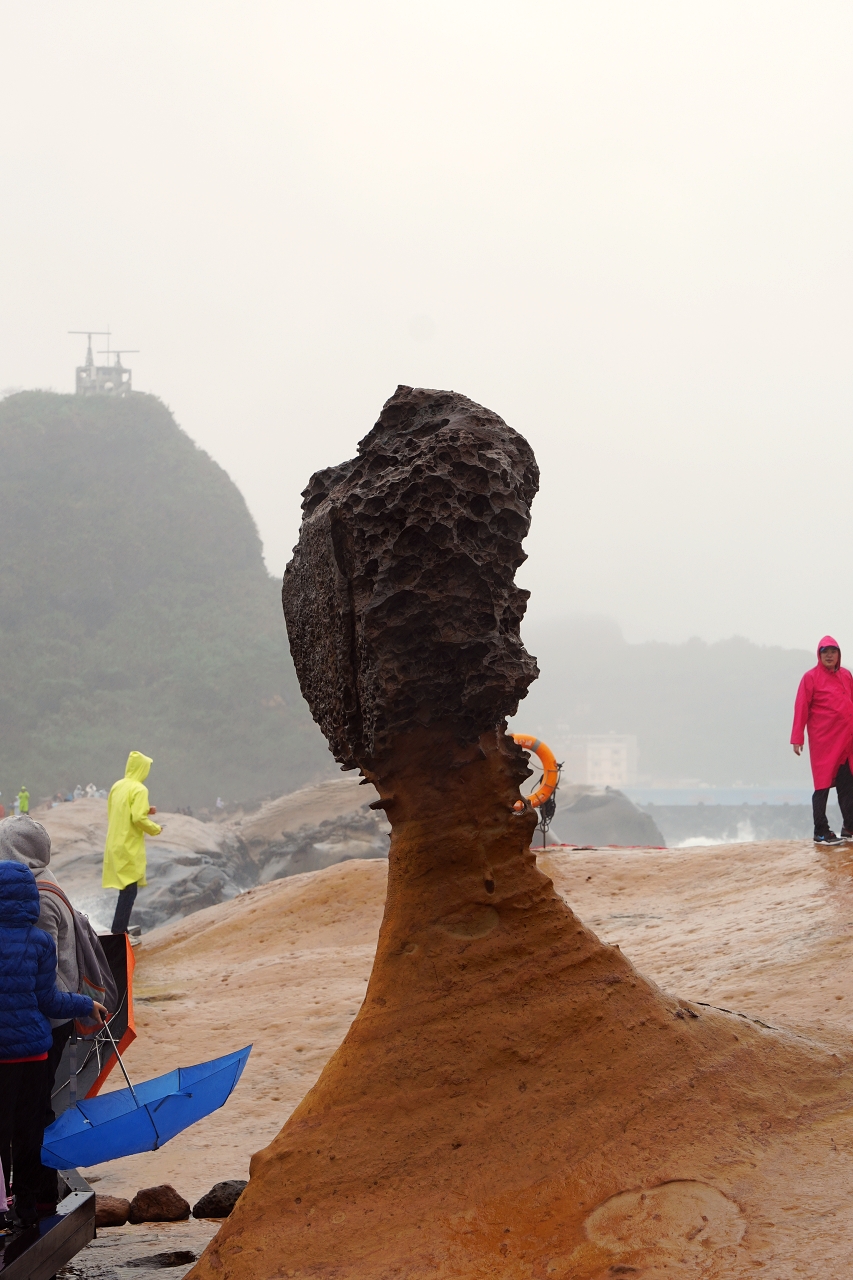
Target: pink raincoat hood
[{"x": 826, "y": 643}]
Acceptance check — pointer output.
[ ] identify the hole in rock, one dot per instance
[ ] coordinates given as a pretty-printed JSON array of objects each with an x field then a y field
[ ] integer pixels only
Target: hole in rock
[{"x": 177, "y": 1258}]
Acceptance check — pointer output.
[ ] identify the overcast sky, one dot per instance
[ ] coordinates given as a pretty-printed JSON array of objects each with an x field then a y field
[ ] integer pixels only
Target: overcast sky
[{"x": 625, "y": 227}]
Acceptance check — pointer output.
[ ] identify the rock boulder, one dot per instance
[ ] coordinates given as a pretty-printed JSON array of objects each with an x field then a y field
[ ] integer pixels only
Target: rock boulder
[
  {"x": 158, "y": 1204},
  {"x": 111, "y": 1211},
  {"x": 605, "y": 817},
  {"x": 220, "y": 1199}
]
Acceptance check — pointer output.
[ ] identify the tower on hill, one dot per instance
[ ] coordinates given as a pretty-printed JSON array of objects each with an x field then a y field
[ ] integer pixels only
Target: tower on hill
[{"x": 102, "y": 379}]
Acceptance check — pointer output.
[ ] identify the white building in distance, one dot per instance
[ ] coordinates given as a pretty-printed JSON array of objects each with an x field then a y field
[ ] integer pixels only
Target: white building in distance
[{"x": 598, "y": 759}]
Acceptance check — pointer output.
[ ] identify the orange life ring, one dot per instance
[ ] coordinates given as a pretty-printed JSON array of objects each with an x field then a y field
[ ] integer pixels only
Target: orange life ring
[{"x": 550, "y": 770}]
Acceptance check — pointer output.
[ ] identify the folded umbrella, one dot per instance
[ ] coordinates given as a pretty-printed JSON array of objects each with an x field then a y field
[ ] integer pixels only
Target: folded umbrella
[{"x": 141, "y": 1117}]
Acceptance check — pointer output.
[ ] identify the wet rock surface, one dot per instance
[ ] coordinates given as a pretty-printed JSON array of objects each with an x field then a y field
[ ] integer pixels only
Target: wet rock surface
[
  {"x": 180, "y": 883},
  {"x": 400, "y": 599},
  {"x": 159, "y": 1261},
  {"x": 220, "y": 1199},
  {"x": 191, "y": 866},
  {"x": 363, "y": 834},
  {"x": 158, "y": 1204},
  {"x": 169, "y": 1249}
]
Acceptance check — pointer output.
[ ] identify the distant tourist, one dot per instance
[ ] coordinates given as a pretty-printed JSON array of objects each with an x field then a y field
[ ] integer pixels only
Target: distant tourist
[
  {"x": 129, "y": 819},
  {"x": 91, "y": 791},
  {"x": 824, "y": 706},
  {"x": 23, "y": 800}
]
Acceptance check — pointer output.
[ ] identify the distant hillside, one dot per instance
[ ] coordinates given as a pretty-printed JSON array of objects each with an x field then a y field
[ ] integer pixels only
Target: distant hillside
[
  {"x": 136, "y": 611},
  {"x": 720, "y": 713}
]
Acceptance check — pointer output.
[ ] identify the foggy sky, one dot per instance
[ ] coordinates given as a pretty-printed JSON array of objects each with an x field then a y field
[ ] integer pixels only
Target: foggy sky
[{"x": 624, "y": 227}]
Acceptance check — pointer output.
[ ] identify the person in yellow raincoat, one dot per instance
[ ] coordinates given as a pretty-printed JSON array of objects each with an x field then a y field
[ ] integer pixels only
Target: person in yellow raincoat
[{"x": 129, "y": 817}]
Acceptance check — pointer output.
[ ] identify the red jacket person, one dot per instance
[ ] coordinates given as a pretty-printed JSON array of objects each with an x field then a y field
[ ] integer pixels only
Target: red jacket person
[{"x": 824, "y": 706}]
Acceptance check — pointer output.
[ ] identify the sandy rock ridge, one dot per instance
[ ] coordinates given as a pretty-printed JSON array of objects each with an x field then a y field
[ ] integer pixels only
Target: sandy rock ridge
[
  {"x": 195, "y": 864},
  {"x": 764, "y": 930}
]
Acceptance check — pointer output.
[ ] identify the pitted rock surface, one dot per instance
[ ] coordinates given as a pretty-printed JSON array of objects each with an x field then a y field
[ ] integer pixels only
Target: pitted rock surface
[
  {"x": 220, "y": 1199},
  {"x": 400, "y": 599}
]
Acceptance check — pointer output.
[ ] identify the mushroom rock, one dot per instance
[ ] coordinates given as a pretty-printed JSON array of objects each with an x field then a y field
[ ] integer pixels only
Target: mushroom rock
[{"x": 513, "y": 1098}]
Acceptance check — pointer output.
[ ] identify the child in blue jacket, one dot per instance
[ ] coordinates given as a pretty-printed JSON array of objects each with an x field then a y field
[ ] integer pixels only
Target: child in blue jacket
[{"x": 29, "y": 996}]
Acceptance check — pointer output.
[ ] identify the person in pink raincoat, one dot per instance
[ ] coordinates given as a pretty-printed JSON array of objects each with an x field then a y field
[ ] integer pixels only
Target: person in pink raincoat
[{"x": 824, "y": 706}]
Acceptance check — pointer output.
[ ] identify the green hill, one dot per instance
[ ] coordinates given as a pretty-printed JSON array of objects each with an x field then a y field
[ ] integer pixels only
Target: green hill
[{"x": 136, "y": 611}]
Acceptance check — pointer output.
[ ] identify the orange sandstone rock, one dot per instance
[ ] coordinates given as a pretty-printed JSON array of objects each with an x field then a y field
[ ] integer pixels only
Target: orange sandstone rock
[{"x": 513, "y": 1098}]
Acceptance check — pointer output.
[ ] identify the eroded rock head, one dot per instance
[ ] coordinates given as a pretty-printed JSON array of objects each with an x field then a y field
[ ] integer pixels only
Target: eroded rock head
[{"x": 400, "y": 599}]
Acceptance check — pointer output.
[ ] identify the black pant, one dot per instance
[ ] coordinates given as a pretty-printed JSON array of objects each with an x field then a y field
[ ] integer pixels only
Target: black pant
[
  {"x": 48, "y": 1189},
  {"x": 843, "y": 783},
  {"x": 22, "y": 1088},
  {"x": 124, "y": 906}
]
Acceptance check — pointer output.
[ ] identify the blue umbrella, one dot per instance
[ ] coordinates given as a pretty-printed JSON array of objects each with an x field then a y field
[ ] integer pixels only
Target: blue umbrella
[{"x": 141, "y": 1117}]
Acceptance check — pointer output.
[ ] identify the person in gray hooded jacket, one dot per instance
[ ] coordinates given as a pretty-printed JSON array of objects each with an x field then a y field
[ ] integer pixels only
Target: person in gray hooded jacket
[{"x": 22, "y": 839}]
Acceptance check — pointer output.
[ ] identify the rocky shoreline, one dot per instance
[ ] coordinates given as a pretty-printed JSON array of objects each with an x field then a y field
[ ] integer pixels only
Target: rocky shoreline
[{"x": 197, "y": 864}]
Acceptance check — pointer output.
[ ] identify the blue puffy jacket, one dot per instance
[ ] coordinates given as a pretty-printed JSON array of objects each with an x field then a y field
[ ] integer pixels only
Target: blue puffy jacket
[{"x": 28, "y": 990}]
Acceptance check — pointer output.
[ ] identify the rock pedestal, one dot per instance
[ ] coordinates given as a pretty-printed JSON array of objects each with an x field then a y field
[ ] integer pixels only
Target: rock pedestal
[{"x": 513, "y": 1098}]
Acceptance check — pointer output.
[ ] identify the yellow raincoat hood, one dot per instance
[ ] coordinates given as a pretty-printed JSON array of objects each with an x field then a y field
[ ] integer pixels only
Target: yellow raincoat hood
[
  {"x": 129, "y": 823},
  {"x": 138, "y": 766}
]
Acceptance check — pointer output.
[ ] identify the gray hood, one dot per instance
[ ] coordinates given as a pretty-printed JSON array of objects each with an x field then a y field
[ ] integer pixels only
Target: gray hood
[{"x": 22, "y": 839}]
